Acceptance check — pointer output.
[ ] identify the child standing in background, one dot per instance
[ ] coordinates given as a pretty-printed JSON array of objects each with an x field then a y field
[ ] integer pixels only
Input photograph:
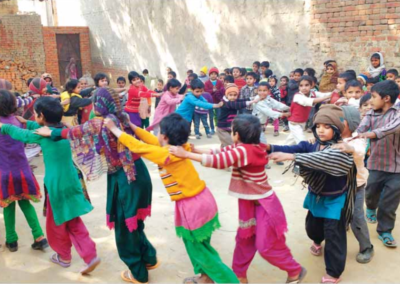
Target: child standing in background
[
  {"x": 283, "y": 88},
  {"x": 293, "y": 85},
  {"x": 392, "y": 74},
  {"x": 201, "y": 114},
  {"x": 215, "y": 87},
  {"x": 248, "y": 92},
  {"x": 159, "y": 91},
  {"x": 239, "y": 81},
  {"x": 145, "y": 106},
  {"x": 203, "y": 74},
  {"x": 276, "y": 95}
]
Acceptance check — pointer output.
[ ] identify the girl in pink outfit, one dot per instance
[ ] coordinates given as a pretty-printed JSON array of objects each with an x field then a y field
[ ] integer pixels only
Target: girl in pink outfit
[
  {"x": 262, "y": 221},
  {"x": 169, "y": 100}
]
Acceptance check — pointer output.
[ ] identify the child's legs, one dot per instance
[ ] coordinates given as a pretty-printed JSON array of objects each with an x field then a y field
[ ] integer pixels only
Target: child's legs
[
  {"x": 245, "y": 250},
  {"x": 358, "y": 223},
  {"x": 205, "y": 259},
  {"x": 315, "y": 228},
  {"x": 291, "y": 139},
  {"x": 196, "y": 120},
  {"x": 272, "y": 249},
  {"x": 79, "y": 236},
  {"x": 31, "y": 218},
  {"x": 388, "y": 204},
  {"x": 203, "y": 118},
  {"x": 57, "y": 236},
  {"x": 298, "y": 132},
  {"x": 276, "y": 124},
  {"x": 9, "y": 221},
  {"x": 147, "y": 122},
  {"x": 211, "y": 118},
  {"x": 375, "y": 184},
  {"x": 225, "y": 137},
  {"x": 335, "y": 251}
]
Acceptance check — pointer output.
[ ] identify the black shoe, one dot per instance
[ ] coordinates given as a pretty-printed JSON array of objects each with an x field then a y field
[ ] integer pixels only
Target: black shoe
[
  {"x": 366, "y": 255},
  {"x": 12, "y": 247},
  {"x": 41, "y": 245}
]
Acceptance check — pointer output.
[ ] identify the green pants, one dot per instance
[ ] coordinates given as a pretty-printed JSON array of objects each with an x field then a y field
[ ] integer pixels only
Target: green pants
[
  {"x": 145, "y": 123},
  {"x": 30, "y": 216},
  {"x": 205, "y": 260},
  {"x": 133, "y": 247}
]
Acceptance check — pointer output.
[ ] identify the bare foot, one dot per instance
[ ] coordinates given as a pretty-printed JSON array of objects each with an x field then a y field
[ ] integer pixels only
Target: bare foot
[
  {"x": 329, "y": 279},
  {"x": 243, "y": 280},
  {"x": 203, "y": 278}
]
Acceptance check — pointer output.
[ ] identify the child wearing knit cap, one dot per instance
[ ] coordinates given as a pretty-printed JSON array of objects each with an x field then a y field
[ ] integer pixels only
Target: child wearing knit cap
[
  {"x": 229, "y": 109},
  {"x": 331, "y": 178},
  {"x": 215, "y": 87},
  {"x": 262, "y": 221},
  {"x": 203, "y": 74}
]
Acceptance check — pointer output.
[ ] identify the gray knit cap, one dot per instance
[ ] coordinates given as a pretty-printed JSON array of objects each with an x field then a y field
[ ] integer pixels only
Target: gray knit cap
[{"x": 352, "y": 116}]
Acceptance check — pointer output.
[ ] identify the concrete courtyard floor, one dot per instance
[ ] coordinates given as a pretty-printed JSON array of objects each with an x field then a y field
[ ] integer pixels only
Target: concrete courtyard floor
[{"x": 28, "y": 266}]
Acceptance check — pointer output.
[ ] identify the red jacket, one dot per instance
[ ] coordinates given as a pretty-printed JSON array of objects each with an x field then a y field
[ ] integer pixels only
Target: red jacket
[
  {"x": 134, "y": 96},
  {"x": 240, "y": 83},
  {"x": 298, "y": 112},
  {"x": 218, "y": 94}
]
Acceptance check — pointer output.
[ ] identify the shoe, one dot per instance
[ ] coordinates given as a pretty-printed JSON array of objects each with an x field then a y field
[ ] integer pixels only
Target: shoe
[
  {"x": 200, "y": 134},
  {"x": 209, "y": 136},
  {"x": 41, "y": 245},
  {"x": 286, "y": 129},
  {"x": 366, "y": 255},
  {"x": 212, "y": 132},
  {"x": 198, "y": 137},
  {"x": 371, "y": 216},
  {"x": 90, "y": 266},
  {"x": 12, "y": 247},
  {"x": 276, "y": 133}
]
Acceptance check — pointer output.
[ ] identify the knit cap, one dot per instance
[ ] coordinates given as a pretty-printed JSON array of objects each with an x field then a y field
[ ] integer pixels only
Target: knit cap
[
  {"x": 230, "y": 88},
  {"x": 330, "y": 114},
  {"x": 37, "y": 85},
  {"x": 214, "y": 69},
  {"x": 352, "y": 116},
  {"x": 204, "y": 69},
  {"x": 363, "y": 78},
  {"x": 6, "y": 85}
]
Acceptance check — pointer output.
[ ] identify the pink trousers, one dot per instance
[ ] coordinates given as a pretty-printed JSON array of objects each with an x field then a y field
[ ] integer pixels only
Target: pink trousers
[
  {"x": 275, "y": 123},
  {"x": 265, "y": 241},
  {"x": 73, "y": 232}
]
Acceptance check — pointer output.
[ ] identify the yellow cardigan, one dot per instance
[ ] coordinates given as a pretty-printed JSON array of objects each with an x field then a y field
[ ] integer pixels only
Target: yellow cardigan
[{"x": 179, "y": 176}]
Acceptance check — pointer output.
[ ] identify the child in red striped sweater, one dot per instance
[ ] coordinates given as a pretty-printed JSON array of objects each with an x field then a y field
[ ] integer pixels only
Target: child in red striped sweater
[{"x": 262, "y": 221}]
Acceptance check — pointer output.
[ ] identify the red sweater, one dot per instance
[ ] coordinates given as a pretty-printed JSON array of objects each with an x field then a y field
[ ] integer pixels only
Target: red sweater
[
  {"x": 298, "y": 112},
  {"x": 134, "y": 96},
  {"x": 249, "y": 180},
  {"x": 240, "y": 83},
  {"x": 216, "y": 95}
]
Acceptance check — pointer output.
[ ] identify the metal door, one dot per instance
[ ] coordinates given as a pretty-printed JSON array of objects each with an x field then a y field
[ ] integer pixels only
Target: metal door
[{"x": 69, "y": 54}]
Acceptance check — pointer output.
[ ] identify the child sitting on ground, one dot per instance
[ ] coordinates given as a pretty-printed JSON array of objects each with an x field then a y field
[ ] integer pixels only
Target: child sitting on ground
[
  {"x": 331, "y": 178},
  {"x": 262, "y": 222},
  {"x": 196, "y": 212}
]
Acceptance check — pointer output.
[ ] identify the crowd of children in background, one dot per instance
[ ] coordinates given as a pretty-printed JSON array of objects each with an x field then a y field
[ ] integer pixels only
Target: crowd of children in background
[{"x": 90, "y": 129}]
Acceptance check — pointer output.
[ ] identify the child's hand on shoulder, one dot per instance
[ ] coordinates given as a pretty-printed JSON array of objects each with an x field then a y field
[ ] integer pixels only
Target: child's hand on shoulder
[
  {"x": 43, "y": 131},
  {"x": 344, "y": 147},
  {"x": 219, "y": 105},
  {"x": 109, "y": 123},
  {"x": 178, "y": 151},
  {"x": 21, "y": 119}
]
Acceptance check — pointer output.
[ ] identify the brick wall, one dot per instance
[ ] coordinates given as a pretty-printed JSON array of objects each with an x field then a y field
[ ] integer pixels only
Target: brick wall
[
  {"x": 8, "y": 7},
  {"x": 21, "y": 49},
  {"x": 350, "y": 31},
  {"x": 50, "y": 47}
]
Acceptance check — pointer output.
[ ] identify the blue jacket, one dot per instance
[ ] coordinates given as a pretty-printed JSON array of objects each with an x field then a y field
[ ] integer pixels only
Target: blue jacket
[{"x": 186, "y": 109}]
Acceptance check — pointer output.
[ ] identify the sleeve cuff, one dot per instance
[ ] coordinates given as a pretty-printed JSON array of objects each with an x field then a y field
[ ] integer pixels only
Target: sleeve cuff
[{"x": 379, "y": 134}]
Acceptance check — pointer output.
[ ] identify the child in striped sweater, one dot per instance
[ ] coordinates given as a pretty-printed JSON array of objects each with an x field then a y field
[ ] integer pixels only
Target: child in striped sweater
[
  {"x": 262, "y": 221},
  {"x": 196, "y": 212}
]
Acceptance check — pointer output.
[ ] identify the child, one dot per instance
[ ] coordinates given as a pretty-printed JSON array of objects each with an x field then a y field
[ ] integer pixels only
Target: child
[
  {"x": 357, "y": 147},
  {"x": 291, "y": 75},
  {"x": 222, "y": 76},
  {"x": 84, "y": 82},
  {"x": 293, "y": 85},
  {"x": 203, "y": 74},
  {"x": 264, "y": 67},
  {"x": 168, "y": 103},
  {"x": 342, "y": 80},
  {"x": 148, "y": 79},
  {"x": 256, "y": 67},
  {"x": 398, "y": 81},
  {"x": 145, "y": 106},
  {"x": 353, "y": 92},
  {"x": 196, "y": 213},
  {"x": 50, "y": 90},
  {"x": 331, "y": 178},
  {"x": 188, "y": 73},
  {"x": 17, "y": 182},
  {"x": 370, "y": 84},
  {"x": 65, "y": 202},
  {"x": 330, "y": 78},
  {"x": 121, "y": 83},
  {"x": 72, "y": 94},
  {"x": 276, "y": 95},
  {"x": 194, "y": 99},
  {"x": 363, "y": 81},
  {"x": 383, "y": 190},
  {"x": 376, "y": 71},
  {"x": 392, "y": 74},
  {"x": 248, "y": 92},
  {"x": 365, "y": 105},
  {"x": 239, "y": 81},
  {"x": 300, "y": 109},
  {"x": 231, "y": 105},
  {"x": 262, "y": 222},
  {"x": 201, "y": 114},
  {"x": 283, "y": 88},
  {"x": 101, "y": 80},
  {"x": 265, "y": 109},
  {"x": 159, "y": 91},
  {"x": 216, "y": 88},
  {"x": 129, "y": 187},
  {"x": 136, "y": 92}
]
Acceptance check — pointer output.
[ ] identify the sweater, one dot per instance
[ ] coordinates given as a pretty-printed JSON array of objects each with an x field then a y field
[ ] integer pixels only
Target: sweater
[
  {"x": 249, "y": 180},
  {"x": 209, "y": 99},
  {"x": 186, "y": 109},
  {"x": 218, "y": 94},
  {"x": 264, "y": 109},
  {"x": 61, "y": 179},
  {"x": 240, "y": 83},
  {"x": 293, "y": 88},
  {"x": 178, "y": 175},
  {"x": 248, "y": 93},
  {"x": 228, "y": 113},
  {"x": 134, "y": 96},
  {"x": 166, "y": 106},
  {"x": 76, "y": 102},
  {"x": 300, "y": 111}
]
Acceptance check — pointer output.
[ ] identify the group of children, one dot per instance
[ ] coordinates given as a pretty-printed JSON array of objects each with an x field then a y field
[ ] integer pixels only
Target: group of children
[{"x": 94, "y": 130}]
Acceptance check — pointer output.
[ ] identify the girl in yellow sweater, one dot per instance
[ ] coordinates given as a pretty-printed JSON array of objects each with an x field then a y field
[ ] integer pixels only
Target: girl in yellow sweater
[{"x": 196, "y": 212}]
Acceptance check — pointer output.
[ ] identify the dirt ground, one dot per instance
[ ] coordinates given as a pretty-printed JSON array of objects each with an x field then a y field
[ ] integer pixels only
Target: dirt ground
[{"x": 31, "y": 266}]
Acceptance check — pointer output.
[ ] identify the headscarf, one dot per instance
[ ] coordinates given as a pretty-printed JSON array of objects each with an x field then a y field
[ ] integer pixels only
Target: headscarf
[
  {"x": 95, "y": 148},
  {"x": 37, "y": 85},
  {"x": 376, "y": 71},
  {"x": 332, "y": 115},
  {"x": 6, "y": 85}
]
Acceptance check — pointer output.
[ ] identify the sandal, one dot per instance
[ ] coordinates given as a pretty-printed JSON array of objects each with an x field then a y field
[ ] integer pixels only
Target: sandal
[
  {"x": 243, "y": 280},
  {"x": 388, "y": 240},
  {"x": 316, "y": 249},
  {"x": 55, "y": 258},
  {"x": 90, "y": 266},
  {"x": 371, "y": 216},
  {"x": 330, "y": 280},
  {"x": 128, "y": 277},
  {"x": 151, "y": 267},
  {"x": 302, "y": 274},
  {"x": 196, "y": 280}
]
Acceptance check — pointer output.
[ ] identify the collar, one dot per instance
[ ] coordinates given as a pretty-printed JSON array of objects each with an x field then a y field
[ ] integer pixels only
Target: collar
[{"x": 225, "y": 99}]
